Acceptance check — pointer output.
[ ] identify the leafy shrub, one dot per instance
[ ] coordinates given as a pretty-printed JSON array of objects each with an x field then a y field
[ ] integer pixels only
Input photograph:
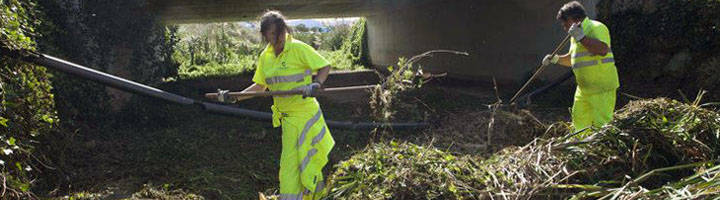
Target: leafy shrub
[
  {"x": 334, "y": 39},
  {"x": 101, "y": 34},
  {"x": 665, "y": 41},
  {"x": 26, "y": 104},
  {"x": 216, "y": 49},
  {"x": 313, "y": 39},
  {"x": 216, "y": 42},
  {"x": 242, "y": 64},
  {"x": 355, "y": 45},
  {"x": 339, "y": 60}
]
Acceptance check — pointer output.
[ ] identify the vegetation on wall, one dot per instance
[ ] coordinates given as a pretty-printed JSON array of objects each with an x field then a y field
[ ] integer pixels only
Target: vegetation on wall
[
  {"x": 26, "y": 104},
  {"x": 102, "y": 35},
  {"x": 356, "y": 44},
  {"x": 665, "y": 42}
]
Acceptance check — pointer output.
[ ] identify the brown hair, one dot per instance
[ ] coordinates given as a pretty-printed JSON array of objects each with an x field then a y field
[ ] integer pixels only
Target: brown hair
[
  {"x": 571, "y": 10},
  {"x": 273, "y": 18}
]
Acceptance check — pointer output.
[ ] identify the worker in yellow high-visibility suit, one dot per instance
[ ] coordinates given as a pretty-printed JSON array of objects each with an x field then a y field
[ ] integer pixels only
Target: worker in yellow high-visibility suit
[
  {"x": 288, "y": 64},
  {"x": 593, "y": 64}
]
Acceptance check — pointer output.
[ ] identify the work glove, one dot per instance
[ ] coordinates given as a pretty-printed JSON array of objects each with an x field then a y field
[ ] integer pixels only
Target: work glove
[
  {"x": 311, "y": 89},
  {"x": 550, "y": 59},
  {"x": 224, "y": 96},
  {"x": 576, "y": 32}
]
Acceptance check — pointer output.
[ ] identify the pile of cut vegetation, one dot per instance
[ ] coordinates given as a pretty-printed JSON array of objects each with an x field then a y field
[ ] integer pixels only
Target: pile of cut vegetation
[
  {"x": 657, "y": 148},
  {"x": 481, "y": 131},
  {"x": 148, "y": 191}
]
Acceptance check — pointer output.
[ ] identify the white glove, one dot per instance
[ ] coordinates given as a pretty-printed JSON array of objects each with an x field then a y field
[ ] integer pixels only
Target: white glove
[
  {"x": 224, "y": 96},
  {"x": 311, "y": 89},
  {"x": 550, "y": 59},
  {"x": 576, "y": 32}
]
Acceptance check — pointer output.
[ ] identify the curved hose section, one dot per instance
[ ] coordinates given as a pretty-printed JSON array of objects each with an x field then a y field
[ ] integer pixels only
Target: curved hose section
[
  {"x": 525, "y": 99},
  {"x": 264, "y": 116}
]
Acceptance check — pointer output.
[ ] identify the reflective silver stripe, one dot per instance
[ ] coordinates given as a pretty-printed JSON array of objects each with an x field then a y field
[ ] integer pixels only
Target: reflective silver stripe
[
  {"x": 285, "y": 79},
  {"x": 291, "y": 196},
  {"x": 592, "y": 62},
  {"x": 608, "y": 60},
  {"x": 320, "y": 186},
  {"x": 307, "y": 158},
  {"x": 307, "y": 127},
  {"x": 581, "y": 54},
  {"x": 584, "y": 64},
  {"x": 319, "y": 136},
  {"x": 288, "y": 78}
]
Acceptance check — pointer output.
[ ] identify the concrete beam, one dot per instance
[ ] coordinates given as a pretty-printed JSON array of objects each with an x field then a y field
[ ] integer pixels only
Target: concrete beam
[{"x": 185, "y": 11}]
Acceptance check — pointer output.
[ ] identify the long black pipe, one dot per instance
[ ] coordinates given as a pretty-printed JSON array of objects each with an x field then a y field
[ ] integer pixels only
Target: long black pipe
[
  {"x": 526, "y": 98},
  {"x": 137, "y": 88},
  {"x": 233, "y": 111},
  {"x": 109, "y": 80}
]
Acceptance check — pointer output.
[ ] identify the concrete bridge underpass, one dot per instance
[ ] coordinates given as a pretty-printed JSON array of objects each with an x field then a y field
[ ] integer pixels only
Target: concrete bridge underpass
[{"x": 506, "y": 39}]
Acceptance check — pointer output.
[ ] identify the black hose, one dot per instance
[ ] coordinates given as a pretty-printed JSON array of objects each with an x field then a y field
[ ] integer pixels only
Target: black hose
[
  {"x": 137, "y": 88},
  {"x": 109, "y": 80},
  {"x": 526, "y": 98},
  {"x": 263, "y": 116},
  {"x": 235, "y": 112}
]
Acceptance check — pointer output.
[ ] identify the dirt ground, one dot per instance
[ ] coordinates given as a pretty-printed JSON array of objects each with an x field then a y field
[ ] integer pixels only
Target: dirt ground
[{"x": 221, "y": 157}]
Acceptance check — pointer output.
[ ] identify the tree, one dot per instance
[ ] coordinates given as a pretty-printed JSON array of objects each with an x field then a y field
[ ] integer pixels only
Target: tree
[{"x": 301, "y": 28}]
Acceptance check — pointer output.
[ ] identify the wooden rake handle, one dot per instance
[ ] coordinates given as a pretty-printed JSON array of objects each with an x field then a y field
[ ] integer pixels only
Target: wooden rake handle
[
  {"x": 540, "y": 68},
  {"x": 294, "y": 92}
]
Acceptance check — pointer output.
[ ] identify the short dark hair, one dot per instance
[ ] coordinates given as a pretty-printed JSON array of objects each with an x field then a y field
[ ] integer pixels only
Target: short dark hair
[
  {"x": 276, "y": 19},
  {"x": 571, "y": 10}
]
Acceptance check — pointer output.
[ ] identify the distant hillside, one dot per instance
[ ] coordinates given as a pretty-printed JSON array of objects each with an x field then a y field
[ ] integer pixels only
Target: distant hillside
[
  {"x": 308, "y": 23},
  {"x": 322, "y": 22}
]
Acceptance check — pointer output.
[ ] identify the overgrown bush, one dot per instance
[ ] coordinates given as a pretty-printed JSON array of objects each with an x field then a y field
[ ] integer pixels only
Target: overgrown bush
[
  {"x": 221, "y": 43},
  {"x": 119, "y": 37},
  {"x": 665, "y": 43},
  {"x": 330, "y": 39},
  {"x": 335, "y": 39},
  {"x": 217, "y": 49},
  {"x": 339, "y": 60},
  {"x": 314, "y": 39},
  {"x": 26, "y": 105},
  {"x": 355, "y": 45}
]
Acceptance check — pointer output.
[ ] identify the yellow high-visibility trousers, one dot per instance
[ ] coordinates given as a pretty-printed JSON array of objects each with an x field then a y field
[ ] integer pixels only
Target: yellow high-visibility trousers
[
  {"x": 595, "y": 109},
  {"x": 306, "y": 143}
]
